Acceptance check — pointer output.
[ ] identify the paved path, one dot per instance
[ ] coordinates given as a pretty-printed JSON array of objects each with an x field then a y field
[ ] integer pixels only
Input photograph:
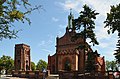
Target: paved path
[{"x": 10, "y": 77}]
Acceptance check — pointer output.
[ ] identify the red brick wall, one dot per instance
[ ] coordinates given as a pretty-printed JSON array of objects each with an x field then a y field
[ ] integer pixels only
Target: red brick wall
[
  {"x": 66, "y": 48},
  {"x": 51, "y": 63},
  {"x": 73, "y": 61}
]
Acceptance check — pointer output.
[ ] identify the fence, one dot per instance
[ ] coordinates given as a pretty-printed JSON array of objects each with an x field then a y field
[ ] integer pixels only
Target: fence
[
  {"x": 28, "y": 74},
  {"x": 92, "y": 75}
]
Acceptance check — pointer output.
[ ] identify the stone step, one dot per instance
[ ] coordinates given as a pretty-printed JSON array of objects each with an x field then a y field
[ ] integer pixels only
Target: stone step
[{"x": 53, "y": 77}]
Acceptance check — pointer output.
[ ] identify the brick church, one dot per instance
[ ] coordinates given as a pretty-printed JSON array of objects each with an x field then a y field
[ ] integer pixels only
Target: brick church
[{"x": 68, "y": 56}]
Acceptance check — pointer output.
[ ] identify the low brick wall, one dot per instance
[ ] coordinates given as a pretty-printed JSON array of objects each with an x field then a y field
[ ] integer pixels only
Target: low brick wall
[
  {"x": 78, "y": 75},
  {"x": 28, "y": 74}
]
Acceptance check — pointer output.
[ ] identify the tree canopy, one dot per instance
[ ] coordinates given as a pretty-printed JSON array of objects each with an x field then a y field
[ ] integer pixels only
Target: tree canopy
[
  {"x": 113, "y": 23},
  {"x": 41, "y": 65},
  {"x": 86, "y": 21},
  {"x": 10, "y": 13},
  {"x": 6, "y": 63},
  {"x": 33, "y": 67},
  {"x": 111, "y": 65}
]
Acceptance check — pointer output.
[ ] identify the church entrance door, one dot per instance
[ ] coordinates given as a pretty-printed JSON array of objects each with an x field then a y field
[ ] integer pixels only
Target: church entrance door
[{"x": 67, "y": 65}]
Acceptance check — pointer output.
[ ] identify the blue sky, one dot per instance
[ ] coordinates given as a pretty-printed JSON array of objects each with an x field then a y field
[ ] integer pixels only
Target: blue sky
[{"x": 49, "y": 23}]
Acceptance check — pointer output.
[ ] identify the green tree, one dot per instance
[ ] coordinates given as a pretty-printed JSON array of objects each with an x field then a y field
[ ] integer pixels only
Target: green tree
[
  {"x": 41, "y": 65},
  {"x": 90, "y": 63},
  {"x": 7, "y": 63},
  {"x": 85, "y": 26},
  {"x": 113, "y": 23},
  {"x": 33, "y": 67},
  {"x": 1, "y": 66},
  {"x": 108, "y": 65},
  {"x": 10, "y": 13},
  {"x": 111, "y": 65}
]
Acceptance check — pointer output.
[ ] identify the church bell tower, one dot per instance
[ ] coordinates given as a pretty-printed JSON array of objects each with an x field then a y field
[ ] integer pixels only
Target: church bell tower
[{"x": 22, "y": 57}]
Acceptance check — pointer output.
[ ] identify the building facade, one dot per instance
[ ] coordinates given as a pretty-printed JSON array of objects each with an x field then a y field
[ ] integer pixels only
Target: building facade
[
  {"x": 68, "y": 56},
  {"x": 22, "y": 57}
]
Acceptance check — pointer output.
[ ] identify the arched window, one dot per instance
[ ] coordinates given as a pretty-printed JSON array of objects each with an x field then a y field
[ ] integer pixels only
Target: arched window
[
  {"x": 27, "y": 67},
  {"x": 26, "y": 61}
]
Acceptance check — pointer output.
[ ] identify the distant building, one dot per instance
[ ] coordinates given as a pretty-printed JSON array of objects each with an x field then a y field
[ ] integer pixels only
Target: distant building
[
  {"x": 22, "y": 57},
  {"x": 68, "y": 56}
]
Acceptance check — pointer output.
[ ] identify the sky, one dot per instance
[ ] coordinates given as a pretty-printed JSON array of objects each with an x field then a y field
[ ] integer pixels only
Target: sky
[{"x": 51, "y": 21}]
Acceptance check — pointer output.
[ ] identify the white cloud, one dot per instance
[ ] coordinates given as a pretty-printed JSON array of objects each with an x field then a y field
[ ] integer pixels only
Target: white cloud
[
  {"x": 55, "y": 19},
  {"x": 101, "y": 6},
  {"x": 48, "y": 51},
  {"x": 109, "y": 55},
  {"x": 42, "y": 43},
  {"x": 106, "y": 45},
  {"x": 101, "y": 33},
  {"x": 69, "y": 4},
  {"x": 47, "y": 42}
]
